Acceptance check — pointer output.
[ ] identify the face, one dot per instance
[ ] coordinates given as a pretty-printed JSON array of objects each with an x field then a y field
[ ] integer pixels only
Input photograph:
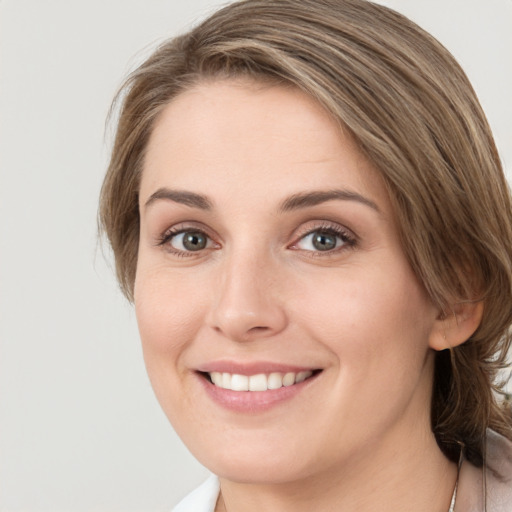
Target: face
[{"x": 278, "y": 313}]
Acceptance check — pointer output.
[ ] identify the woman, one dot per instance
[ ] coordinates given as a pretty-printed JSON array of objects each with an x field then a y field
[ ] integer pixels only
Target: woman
[{"x": 307, "y": 208}]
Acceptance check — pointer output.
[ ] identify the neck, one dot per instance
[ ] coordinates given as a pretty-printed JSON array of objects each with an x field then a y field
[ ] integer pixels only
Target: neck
[{"x": 416, "y": 477}]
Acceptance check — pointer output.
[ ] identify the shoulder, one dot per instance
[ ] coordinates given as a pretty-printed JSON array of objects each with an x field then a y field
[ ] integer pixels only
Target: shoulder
[
  {"x": 496, "y": 480},
  {"x": 499, "y": 472},
  {"x": 202, "y": 499}
]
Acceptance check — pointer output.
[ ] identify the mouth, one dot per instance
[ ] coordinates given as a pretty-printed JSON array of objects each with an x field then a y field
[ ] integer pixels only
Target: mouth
[{"x": 259, "y": 381}]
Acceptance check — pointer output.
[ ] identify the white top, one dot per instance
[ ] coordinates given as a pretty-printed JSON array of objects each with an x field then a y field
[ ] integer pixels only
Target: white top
[
  {"x": 470, "y": 495},
  {"x": 202, "y": 499}
]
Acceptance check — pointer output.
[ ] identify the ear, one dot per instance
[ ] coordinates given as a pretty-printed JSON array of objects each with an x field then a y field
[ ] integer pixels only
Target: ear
[{"x": 454, "y": 327}]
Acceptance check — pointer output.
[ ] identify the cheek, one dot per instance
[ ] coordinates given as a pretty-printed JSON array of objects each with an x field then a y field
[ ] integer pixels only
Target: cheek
[
  {"x": 168, "y": 315},
  {"x": 168, "y": 312},
  {"x": 372, "y": 315},
  {"x": 377, "y": 330}
]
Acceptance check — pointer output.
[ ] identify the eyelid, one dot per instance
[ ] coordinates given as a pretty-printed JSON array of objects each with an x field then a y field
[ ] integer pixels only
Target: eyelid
[
  {"x": 166, "y": 236},
  {"x": 348, "y": 236}
]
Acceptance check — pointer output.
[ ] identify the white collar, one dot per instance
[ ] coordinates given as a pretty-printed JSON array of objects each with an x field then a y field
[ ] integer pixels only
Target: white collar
[{"x": 202, "y": 499}]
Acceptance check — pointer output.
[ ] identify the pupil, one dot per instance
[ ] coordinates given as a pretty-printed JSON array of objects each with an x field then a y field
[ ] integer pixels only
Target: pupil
[
  {"x": 324, "y": 242},
  {"x": 194, "y": 241}
]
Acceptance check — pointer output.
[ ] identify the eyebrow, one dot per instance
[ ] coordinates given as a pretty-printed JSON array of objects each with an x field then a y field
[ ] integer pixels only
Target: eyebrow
[
  {"x": 294, "y": 202},
  {"x": 182, "y": 197},
  {"x": 307, "y": 199}
]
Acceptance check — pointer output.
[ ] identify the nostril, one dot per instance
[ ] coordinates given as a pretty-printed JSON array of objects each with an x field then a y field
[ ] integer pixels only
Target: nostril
[
  {"x": 258, "y": 329},
  {"x": 256, "y": 332}
]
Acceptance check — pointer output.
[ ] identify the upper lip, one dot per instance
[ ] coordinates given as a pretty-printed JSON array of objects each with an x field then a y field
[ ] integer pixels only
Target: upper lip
[{"x": 252, "y": 368}]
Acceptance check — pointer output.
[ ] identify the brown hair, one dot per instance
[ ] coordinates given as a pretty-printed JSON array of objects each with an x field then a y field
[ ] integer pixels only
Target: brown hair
[{"x": 414, "y": 114}]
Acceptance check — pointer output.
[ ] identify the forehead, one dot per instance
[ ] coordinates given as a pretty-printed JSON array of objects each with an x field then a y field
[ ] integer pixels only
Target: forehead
[{"x": 252, "y": 136}]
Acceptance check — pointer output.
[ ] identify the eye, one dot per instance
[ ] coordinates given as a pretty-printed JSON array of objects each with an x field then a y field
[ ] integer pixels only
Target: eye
[
  {"x": 182, "y": 241},
  {"x": 324, "y": 240},
  {"x": 189, "y": 241}
]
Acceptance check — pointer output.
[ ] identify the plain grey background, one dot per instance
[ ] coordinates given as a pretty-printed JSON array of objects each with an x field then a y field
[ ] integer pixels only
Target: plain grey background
[{"x": 80, "y": 429}]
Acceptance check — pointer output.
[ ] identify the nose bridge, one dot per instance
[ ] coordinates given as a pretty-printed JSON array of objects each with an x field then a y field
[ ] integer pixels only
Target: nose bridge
[{"x": 248, "y": 305}]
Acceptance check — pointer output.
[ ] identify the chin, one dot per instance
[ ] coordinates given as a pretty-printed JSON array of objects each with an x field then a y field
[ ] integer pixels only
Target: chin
[
  {"x": 261, "y": 472},
  {"x": 256, "y": 461}
]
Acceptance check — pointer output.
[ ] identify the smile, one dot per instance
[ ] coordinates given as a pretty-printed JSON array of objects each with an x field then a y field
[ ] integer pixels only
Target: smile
[
  {"x": 258, "y": 382},
  {"x": 254, "y": 388}
]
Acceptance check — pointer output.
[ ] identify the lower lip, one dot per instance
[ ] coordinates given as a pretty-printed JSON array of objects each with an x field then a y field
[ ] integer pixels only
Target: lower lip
[{"x": 253, "y": 401}]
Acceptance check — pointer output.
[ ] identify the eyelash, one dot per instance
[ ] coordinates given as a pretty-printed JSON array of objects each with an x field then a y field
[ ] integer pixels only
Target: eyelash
[
  {"x": 165, "y": 239},
  {"x": 326, "y": 228},
  {"x": 348, "y": 239}
]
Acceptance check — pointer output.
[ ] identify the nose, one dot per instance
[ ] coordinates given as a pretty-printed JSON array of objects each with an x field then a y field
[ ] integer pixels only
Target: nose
[{"x": 248, "y": 305}]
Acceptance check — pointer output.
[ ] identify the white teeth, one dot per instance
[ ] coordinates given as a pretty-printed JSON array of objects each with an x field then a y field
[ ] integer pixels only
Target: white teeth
[
  {"x": 301, "y": 376},
  {"x": 216, "y": 378},
  {"x": 259, "y": 382},
  {"x": 289, "y": 379},
  {"x": 275, "y": 381},
  {"x": 226, "y": 381},
  {"x": 239, "y": 382}
]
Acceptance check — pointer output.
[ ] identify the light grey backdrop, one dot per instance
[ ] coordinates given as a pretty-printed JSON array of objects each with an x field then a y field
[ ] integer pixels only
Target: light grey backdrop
[{"x": 79, "y": 427}]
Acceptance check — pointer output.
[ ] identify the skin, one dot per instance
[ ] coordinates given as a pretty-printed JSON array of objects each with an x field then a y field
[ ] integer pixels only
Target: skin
[{"x": 358, "y": 436}]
